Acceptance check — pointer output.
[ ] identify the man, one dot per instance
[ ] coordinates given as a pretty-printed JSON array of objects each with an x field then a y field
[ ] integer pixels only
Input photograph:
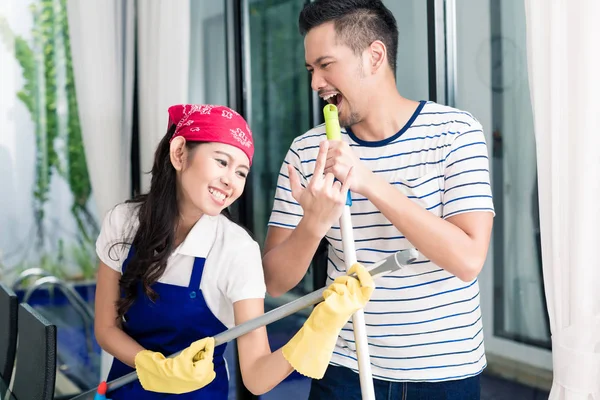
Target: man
[{"x": 419, "y": 177}]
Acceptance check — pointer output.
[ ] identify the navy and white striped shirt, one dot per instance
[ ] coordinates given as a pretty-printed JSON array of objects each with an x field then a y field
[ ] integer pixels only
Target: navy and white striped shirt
[{"x": 423, "y": 323}]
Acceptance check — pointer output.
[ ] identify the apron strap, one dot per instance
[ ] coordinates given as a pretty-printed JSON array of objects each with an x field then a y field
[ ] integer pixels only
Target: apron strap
[
  {"x": 197, "y": 271},
  {"x": 126, "y": 262}
]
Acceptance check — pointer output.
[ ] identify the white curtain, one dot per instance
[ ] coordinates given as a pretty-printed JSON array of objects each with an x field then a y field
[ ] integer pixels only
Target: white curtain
[
  {"x": 102, "y": 44},
  {"x": 563, "y": 57},
  {"x": 163, "y": 67}
]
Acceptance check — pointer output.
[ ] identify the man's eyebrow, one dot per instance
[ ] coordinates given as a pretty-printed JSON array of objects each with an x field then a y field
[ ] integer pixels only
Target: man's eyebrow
[
  {"x": 318, "y": 60},
  {"x": 230, "y": 157}
]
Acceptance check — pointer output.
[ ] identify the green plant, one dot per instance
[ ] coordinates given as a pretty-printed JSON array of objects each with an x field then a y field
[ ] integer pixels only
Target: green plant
[
  {"x": 85, "y": 258},
  {"x": 78, "y": 176},
  {"x": 48, "y": 78}
]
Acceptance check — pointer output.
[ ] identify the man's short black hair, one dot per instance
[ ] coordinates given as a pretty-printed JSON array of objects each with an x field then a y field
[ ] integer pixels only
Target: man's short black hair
[{"x": 357, "y": 22}]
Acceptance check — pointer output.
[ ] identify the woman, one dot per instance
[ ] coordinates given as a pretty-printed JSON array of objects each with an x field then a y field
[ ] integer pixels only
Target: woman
[{"x": 174, "y": 272}]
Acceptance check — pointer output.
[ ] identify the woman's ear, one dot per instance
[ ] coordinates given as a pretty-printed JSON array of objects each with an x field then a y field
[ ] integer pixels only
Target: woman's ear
[{"x": 178, "y": 153}]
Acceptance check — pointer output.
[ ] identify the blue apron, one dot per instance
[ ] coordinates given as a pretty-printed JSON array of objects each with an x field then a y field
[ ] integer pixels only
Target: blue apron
[{"x": 179, "y": 317}]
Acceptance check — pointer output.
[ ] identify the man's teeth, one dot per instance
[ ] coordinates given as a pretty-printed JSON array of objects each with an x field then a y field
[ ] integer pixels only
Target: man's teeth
[
  {"x": 217, "y": 194},
  {"x": 327, "y": 97}
]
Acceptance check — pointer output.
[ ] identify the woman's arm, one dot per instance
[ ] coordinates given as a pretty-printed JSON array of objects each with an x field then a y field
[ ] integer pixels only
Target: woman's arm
[
  {"x": 261, "y": 369},
  {"x": 107, "y": 328}
]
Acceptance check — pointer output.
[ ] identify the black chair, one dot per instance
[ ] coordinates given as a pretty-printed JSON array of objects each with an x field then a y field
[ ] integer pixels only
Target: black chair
[
  {"x": 35, "y": 371},
  {"x": 8, "y": 332}
]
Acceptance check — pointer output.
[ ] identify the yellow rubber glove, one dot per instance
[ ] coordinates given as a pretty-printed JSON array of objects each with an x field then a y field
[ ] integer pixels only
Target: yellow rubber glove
[
  {"x": 310, "y": 350},
  {"x": 191, "y": 370}
]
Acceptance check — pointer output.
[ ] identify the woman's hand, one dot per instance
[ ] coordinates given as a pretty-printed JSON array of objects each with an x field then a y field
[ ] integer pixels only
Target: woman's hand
[
  {"x": 191, "y": 370},
  {"x": 310, "y": 350}
]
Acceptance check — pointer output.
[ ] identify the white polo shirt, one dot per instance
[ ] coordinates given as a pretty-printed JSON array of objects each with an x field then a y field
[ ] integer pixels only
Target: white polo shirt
[{"x": 232, "y": 270}]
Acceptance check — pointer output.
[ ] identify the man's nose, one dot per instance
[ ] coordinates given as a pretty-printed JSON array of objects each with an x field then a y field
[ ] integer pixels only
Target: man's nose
[{"x": 317, "y": 81}]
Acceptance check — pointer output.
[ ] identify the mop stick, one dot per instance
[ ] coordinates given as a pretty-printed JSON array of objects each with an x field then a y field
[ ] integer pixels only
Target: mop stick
[
  {"x": 333, "y": 131},
  {"x": 384, "y": 267}
]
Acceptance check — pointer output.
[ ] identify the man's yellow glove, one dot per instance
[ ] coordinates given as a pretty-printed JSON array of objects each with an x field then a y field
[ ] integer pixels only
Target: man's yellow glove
[
  {"x": 191, "y": 370},
  {"x": 310, "y": 350}
]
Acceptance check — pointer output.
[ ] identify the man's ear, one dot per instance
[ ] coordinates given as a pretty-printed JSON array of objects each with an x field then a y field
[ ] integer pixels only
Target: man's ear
[
  {"x": 178, "y": 152},
  {"x": 377, "y": 55}
]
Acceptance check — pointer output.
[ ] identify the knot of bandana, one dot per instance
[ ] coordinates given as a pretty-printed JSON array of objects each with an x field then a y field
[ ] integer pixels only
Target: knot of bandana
[{"x": 212, "y": 123}]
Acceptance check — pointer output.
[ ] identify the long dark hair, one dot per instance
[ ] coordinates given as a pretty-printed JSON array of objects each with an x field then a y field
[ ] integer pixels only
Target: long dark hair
[{"x": 158, "y": 217}]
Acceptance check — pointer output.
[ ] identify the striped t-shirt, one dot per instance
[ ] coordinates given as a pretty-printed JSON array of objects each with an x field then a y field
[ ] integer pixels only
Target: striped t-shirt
[{"x": 423, "y": 323}]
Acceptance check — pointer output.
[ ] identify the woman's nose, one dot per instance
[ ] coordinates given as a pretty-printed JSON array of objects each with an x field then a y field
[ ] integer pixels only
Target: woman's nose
[{"x": 226, "y": 179}]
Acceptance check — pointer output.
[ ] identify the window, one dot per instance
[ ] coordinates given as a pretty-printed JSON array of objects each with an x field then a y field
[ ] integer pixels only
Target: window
[{"x": 493, "y": 85}]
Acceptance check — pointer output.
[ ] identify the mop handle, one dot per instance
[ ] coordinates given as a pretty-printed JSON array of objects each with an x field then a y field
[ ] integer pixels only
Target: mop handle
[
  {"x": 333, "y": 132},
  {"x": 387, "y": 265}
]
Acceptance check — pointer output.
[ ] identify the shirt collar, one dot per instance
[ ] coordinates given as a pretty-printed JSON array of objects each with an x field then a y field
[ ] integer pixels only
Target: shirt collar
[{"x": 200, "y": 239}]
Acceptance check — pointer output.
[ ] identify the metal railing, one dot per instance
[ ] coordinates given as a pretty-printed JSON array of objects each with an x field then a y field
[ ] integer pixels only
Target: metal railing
[{"x": 77, "y": 302}]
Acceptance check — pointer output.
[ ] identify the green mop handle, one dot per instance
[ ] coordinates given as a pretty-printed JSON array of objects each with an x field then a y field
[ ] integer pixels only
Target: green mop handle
[
  {"x": 334, "y": 132},
  {"x": 332, "y": 123}
]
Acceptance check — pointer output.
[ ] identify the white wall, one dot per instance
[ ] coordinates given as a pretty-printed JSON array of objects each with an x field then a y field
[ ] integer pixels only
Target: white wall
[{"x": 16, "y": 143}]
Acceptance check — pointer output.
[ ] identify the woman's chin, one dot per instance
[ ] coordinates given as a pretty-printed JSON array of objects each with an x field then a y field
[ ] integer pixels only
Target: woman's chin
[{"x": 214, "y": 210}]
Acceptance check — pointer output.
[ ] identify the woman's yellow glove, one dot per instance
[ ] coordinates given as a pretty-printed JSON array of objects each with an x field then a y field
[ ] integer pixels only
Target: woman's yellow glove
[
  {"x": 310, "y": 350},
  {"x": 191, "y": 370}
]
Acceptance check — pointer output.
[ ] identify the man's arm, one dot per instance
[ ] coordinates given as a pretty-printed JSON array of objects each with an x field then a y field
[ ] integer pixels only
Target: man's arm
[
  {"x": 457, "y": 242},
  {"x": 287, "y": 256}
]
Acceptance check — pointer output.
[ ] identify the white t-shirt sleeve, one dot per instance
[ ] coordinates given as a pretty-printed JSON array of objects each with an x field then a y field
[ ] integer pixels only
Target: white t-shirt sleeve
[
  {"x": 286, "y": 212},
  {"x": 467, "y": 174},
  {"x": 112, "y": 245},
  {"x": 245, "y": 276}
]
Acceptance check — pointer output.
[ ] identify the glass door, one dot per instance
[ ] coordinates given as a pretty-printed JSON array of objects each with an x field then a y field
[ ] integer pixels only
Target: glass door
[
  {"x": 492, "y": 83},
  {"x": 278, "y": 101},
  {"x": 278, "y": 107}
]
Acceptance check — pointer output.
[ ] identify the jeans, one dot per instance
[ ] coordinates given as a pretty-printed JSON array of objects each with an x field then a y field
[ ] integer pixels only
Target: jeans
[{"x": 342, "y": 383}]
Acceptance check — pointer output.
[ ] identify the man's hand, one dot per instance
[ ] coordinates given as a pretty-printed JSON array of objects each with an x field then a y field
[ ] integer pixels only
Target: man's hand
[
  {"x": 323, "y": 199},
  {"x": 341, "y": 159}
]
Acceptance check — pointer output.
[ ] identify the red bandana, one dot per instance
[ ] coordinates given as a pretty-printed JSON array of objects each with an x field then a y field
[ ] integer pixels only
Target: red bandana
[{"x": 208, "y": 123}]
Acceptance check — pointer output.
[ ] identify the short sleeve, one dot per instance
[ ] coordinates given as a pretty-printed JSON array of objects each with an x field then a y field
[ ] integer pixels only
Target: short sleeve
[
  {"x": 112, "y": 245},
  {"x": 245, "y": 276},
  {"x": 286, "y": 212},
  {"x": 467, "y": 175}
]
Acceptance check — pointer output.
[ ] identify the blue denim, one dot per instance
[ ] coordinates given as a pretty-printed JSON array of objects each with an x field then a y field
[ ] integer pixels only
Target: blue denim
[{"x": 341, "y": 383}]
